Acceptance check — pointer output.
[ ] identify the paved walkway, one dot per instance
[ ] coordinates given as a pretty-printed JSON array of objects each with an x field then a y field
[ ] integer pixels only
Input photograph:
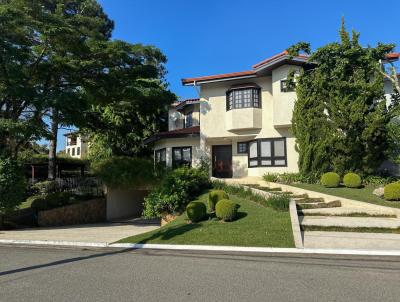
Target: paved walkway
[
  {"x": 350, "y": 240},
  {"x": 99, "y": 233}
]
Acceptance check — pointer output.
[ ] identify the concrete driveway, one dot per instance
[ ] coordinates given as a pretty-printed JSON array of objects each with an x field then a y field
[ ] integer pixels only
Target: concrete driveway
[{"x": 99, "y": 233}]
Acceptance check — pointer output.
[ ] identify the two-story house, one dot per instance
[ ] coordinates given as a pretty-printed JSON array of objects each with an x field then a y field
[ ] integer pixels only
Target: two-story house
[
  {"x": 240, "y": 123},
  {"x": 76, "y": 145}
]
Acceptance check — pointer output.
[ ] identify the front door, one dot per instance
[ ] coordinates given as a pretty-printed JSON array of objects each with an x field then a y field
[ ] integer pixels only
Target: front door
[{"x": 222, "y": 161}]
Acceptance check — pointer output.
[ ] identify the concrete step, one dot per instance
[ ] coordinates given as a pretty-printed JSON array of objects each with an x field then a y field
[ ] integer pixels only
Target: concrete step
[
  {"x": 309, "y": 200},
  {"x": 319, "y": 205},
  {"x": 349, "y": 210},
  {"x": 350, "y": 222},
  {"x": 351, "y": 240}
]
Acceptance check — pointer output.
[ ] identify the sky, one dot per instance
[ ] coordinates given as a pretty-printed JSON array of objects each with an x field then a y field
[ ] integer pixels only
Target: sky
[{"x": 210, "y": 37}]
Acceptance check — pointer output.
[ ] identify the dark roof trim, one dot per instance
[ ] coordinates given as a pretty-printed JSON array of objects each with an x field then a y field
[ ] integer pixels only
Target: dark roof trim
[{"x": 184, "y": 132}]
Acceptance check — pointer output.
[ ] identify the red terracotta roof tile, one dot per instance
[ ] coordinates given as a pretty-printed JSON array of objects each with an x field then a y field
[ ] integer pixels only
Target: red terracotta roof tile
[{"x": 219, "y": 76}]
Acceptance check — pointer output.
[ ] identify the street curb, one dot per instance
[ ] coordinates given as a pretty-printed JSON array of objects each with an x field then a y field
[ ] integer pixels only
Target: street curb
[{"x": 210, "y": 248}]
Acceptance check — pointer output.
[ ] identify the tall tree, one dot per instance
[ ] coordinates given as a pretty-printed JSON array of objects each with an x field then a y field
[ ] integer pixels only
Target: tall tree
[
  {"x": 340, "y": 115},
  {"x": 65, "y": 63}
]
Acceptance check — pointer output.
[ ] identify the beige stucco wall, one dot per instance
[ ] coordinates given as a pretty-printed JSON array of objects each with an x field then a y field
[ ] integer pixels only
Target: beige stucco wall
[
  {"x": 180, "y": 142},
  {"x": 283, "y": 102},
  {"x": 215, "y": 118},
  {"x": 174, "y": 123}
]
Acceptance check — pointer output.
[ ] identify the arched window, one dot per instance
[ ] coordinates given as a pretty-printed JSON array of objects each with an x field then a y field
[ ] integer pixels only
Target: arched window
[{"x": 243, "y": 96}]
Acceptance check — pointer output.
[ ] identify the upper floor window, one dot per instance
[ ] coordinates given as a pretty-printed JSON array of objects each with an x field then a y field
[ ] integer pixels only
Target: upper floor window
[
  {"x": 189, "y": 119},
  {"x": 243, "y": 97},
  {"x": 286, "y": 86},
  {"x": 71, "y": 141}
]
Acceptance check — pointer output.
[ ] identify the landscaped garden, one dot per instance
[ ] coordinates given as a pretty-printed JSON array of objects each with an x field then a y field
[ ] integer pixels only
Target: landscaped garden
[
  {"x": 384, "y": 191},
  {"x": 255, "y": 225}
]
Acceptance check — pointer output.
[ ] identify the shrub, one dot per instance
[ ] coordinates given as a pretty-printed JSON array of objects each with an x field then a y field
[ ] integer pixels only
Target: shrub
[
  {"x": 51, "y": 201},
  {"x": 271, "y": 177},
  {"x": 12, "y": 185},
  {"x": 175, "y": 191},
  {"x": 46, "y": 187},
  {"x": 330, "y": 180},
  {"x": 125, "y": 172},
  {"x": 392, "y": 191},
  {"x": 378, "y": 180},
  {"x": 214, "y": 196},
  {"x": 226, "y": 210},
  {"x": 196, "y": 211},
  {"x": 279, "y": 202},
  {"x": 352, "y": 180}
]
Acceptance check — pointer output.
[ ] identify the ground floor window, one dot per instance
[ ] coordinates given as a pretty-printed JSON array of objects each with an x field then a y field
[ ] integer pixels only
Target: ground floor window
[
  {"x": 242, "y": 147},
  {"x": 181, "y": 156},
  {"x": 267, "y": 152},
  {"x": 161, "y": 156}
]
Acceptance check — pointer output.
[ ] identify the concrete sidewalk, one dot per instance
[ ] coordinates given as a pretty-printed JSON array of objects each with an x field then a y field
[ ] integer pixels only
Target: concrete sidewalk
[{"x": 96, "y": 233}]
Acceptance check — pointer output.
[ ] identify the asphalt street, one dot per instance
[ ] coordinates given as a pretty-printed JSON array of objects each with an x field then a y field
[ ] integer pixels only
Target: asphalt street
[{"x": 71, "y": 274}]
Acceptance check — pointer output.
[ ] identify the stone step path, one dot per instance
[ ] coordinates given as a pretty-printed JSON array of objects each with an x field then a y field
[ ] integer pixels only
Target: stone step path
[
  {"x": 350, "y": 222},
  {"x": 347, "y": 211}
]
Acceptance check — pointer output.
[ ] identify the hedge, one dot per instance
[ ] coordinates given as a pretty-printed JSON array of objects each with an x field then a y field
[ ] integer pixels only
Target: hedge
[
  {"x": 392, "y": 191},
  {"x": 226, "y": 210},
  {"x": 196, "y": 211},
  {"x": 214, "y": 196},
  {"x": 352, "y": 180}
]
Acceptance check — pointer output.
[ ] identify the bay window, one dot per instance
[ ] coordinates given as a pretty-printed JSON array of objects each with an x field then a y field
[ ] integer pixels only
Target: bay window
[{"x": 244, "y": 97}]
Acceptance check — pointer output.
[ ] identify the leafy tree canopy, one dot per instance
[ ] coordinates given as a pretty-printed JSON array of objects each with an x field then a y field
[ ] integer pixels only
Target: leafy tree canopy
[{"x": 340, "y": 115}]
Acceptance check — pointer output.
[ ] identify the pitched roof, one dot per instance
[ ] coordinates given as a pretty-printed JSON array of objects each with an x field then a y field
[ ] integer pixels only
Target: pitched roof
[
  {"x": 192, "y": 131},
  {"x": 182, "y": 103},
  {"x": 220, "y": 76},
  {"x": 266, "y": 64}
]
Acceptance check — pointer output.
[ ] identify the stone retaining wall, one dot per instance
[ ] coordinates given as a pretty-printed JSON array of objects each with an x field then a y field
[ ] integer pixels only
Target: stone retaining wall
[{"x": 91, "y": 211}]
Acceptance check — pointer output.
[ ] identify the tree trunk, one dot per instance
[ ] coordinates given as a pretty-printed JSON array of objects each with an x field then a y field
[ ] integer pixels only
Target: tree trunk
[{"x": 53, "y": 145}]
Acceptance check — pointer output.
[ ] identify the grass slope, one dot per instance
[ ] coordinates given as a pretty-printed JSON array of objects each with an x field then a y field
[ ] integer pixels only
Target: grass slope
[
  {"x": 361, "y": 194},
  {"x": 256, "y": 226}
]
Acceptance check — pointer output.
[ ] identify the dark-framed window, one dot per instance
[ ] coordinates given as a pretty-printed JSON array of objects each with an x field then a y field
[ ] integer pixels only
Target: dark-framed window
[
  {"x": 189, "y": 119},
  {"x": 286, "y": 86},
  {"x": 267, "y": 152},
  {"x": 181, "y": 156},
  {"x": 241, "y": 147},
  {"x": 78, "y": 150},
  {"x": 249, "y": 97},
  {"x": 73, "y": 151},
  {"x": 161, "y": 156}
]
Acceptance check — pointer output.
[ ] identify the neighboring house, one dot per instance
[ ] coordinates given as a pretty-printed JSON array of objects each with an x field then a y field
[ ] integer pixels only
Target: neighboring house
[
  {"x": 76, "y": 145},
  {"x": 240, "y": 124}
]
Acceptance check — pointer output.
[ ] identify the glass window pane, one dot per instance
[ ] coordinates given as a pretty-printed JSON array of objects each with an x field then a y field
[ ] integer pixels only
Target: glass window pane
[
  {"x": 253, "y": 163},
  {"x": 279, "y": 148},
  {"x": 177, "y": 154},
  {"x": 163, "y": 155},
  {"x": 266, "y": 163},
  {"x": 265, "y": 149},
  {"x": 238, "y": 98},
  {"x": 280, "y": 162},
  {"x": 253, "y": 149},
  {"x": 186, "y": 154}
]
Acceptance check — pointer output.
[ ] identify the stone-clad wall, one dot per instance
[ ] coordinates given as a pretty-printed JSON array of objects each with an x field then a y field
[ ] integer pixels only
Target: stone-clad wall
[{"x": 90, "y": 211}]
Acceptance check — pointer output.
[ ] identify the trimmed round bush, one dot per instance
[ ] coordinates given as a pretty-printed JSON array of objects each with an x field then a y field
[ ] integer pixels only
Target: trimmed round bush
[
  {"x": 392, "y": 191},
  {"x": 330, "y": 180},
  {"x": 226, "y": 210},
  {"x": 352, "y": 180},
  {"x": 214, "y": 196},
  {"x": 196, "y": 211}
]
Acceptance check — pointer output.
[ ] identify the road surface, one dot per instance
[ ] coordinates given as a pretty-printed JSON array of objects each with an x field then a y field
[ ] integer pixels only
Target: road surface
[{"x": 70, "y": 274}]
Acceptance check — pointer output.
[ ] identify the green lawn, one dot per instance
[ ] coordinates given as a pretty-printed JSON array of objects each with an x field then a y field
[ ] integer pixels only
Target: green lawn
[
  {"x": 256, "y": 226},
  {"x": 362, "y": 194}
]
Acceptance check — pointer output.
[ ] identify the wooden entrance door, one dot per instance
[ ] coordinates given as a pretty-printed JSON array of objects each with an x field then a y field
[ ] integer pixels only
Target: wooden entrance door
[{"x": 222, "y": 161}]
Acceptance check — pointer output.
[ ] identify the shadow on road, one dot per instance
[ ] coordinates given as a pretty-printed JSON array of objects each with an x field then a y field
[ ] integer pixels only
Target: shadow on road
[{"x": 64, "y": 261}]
